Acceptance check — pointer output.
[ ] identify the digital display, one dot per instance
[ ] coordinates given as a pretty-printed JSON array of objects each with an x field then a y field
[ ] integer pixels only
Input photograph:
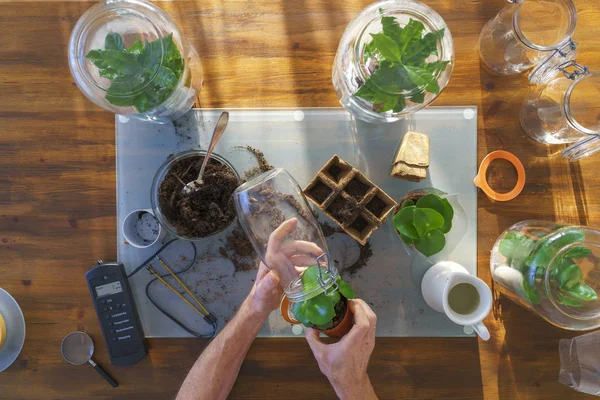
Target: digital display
[{"x": 109, "y": 288}]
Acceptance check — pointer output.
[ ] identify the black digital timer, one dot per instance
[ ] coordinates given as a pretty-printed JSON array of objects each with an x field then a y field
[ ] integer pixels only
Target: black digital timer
[{"x": 117, "y": 314}]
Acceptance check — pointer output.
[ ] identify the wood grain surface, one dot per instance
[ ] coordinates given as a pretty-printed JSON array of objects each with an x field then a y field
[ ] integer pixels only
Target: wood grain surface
[{"x": 57, "y": 199}]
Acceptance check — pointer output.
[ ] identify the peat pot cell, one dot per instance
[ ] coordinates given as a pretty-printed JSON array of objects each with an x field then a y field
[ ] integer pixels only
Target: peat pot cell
[
  {"x": 357, "y": 188},
  {"x": 360, "y": 227},
  {"x": 377, "y": 206},
  {"x": 319, "y": 192},
  {"x": 338, "y": 171},
  {"x": 342, "y": 210}
]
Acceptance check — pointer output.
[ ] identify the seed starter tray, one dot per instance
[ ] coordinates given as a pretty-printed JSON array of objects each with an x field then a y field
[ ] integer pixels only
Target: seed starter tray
[{"x": 369, "y": 204}]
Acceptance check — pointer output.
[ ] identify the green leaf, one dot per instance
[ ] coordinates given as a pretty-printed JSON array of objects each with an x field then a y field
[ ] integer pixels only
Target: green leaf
[
  {"x": 567, "y": 301},
  {"x": 448, "y": 214},
  {"x": 419, "y": 50},
  {"x": 310, "y": 276},
  {"x": 578, "y": 252},
  {"x": 425, "y": 220},
  {"x": 431, "y": 201},
  {"x": 418, "y": 97},
  {"x": 570, "y": 277},
  {"x": 386, "y": 46},
  {"x": 384, "y": 102},
  {"x": 346, "y": 290},
  {"x": 141, "y": 103},
  {"x": 401, "y": 105},
  {"x": 510, "y": 242},
  {"x": 432, "y": 243},
  {"x": 392, "y": 29},
  {"x": 436, "y": 67},
  {"x": 406, "y": 239},
  {"x": 122, "y": 90},
  {"x": 325, "y": 326},
  {"x": 404, "y": 222},
  {"x": 531, "y": 293},
  {"x": 412, "y": 31},
  {"x": 407, "y": 203},
  {"x": 166, "y": 78},
  {"x": 423, "y": 78},
  {"x": 299, "y": 311},
  {"x": 113, "y": 41},
  {"x": 334, "y": 297},
  {"x": 582, "y": 292},
  {"x": 136, "y": 48},
  {"x": 122, "y": 63},
  {"x": 319, "y": 310}
]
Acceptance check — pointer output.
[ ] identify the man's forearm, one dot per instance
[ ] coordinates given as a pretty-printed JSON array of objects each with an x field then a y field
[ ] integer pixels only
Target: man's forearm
[{"x": 215, "y": 371}]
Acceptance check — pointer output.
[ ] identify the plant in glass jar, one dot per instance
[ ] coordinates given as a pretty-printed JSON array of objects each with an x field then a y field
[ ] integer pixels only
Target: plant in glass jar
[
  {"x": 327, "y": 310},
  {"x": 400, "y": 72},
  {"x": 423, "y": 222}
]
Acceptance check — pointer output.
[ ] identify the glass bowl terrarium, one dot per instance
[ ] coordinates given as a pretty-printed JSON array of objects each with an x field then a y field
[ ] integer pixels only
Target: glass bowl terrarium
[
  {"x": 201, "y": 213},
  {"x": 551, "y": 269},
  {"x": 275, "y": 216},
  {"x": 129, "y": 57},
  {"x": 394, "y": 58}
]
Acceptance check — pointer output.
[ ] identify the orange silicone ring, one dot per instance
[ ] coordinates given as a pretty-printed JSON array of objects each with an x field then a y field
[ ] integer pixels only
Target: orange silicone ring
[
  {"x": 481, "y": 181},
  {"x": 284, "y": 307}
]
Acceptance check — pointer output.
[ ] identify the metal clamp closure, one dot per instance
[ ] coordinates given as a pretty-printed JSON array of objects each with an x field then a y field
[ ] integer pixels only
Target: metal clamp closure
[{"x": 578, "y": 70}]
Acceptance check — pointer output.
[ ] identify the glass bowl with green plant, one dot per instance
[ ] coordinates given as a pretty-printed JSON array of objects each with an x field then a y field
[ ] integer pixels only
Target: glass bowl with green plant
[
  {"x": 129, "y": 57},
  {"x": 551, "y": 269},
  {"x": 327, "y": 311},
  {"x": 394, "y": 58},
  {"x": 430, "y": 221}
]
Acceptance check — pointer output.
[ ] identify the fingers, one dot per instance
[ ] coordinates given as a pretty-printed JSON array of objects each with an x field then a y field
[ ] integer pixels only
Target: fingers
[
  {"x": 262, "y": 271},
  {"x": 314, "y": 341},
  {"x": 301, "y": 247},
  {"x": 365, "y": 319},
  {"x": 303, "y": 261},
  {"x": 277, "y": 237}
]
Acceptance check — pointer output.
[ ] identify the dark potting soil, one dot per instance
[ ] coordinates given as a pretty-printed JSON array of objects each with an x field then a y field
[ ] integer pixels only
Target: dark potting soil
[
  {"x": 376, "y": 206},
  {"x": 204, "y": 211},
  {"x": 320, "y": 192},
  {"x": 342, "y": 210},
  {"x": 340, "y": 312},
  {"x": 360, "y": 224},
  {"x": 240, "y": 251},
  {"x": 365, "y": 255},
  {"x": 335, "y": 172},
  {"x": 356, "y": 189}
]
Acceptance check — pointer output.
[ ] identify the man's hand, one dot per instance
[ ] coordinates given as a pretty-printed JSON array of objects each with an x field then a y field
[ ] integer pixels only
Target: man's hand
[
  {"x": 266, "y": 292},
  {"x": 345, "y": 363}
]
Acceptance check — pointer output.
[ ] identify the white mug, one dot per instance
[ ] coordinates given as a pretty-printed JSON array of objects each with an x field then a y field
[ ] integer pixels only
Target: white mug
[{"x": 465, "y": 299}]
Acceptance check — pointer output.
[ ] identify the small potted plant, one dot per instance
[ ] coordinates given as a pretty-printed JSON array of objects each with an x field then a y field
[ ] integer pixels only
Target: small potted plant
[
  {"x": 328, "y": 312},
  {"x": 424, "y": 219}
]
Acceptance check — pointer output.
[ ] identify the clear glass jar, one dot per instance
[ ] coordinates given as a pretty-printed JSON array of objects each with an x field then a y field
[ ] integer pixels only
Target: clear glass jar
[
  {"x": 522, "y": 34},
  {"x": 375, "y": 88},
  {"x": 564, "y": 109},
  {"x": 160, "y": 176},
  {"x": 551, "y": 269},
  {"x": 129, "y": 57},
  {"x": 273, "y": 212}
]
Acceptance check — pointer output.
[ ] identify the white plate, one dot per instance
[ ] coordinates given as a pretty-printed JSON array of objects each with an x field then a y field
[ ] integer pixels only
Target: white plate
[{"x": 15, "y": 329}]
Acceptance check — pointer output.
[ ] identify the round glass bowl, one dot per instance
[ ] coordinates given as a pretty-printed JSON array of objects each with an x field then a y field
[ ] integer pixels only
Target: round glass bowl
[
  {"x": 129, "y": 57},
  {"x": 378, "y": 88},
  {"x": 160, "y": 176}
]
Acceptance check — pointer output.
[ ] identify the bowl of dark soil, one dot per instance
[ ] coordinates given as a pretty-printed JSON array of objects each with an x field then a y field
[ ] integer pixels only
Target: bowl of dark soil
[{"x": 200, "y": 213}]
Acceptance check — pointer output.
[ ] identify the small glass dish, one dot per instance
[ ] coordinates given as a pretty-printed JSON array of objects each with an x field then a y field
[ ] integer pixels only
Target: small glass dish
[
  {"x": 395, "y": 88},
  {"x": 160, "y": 176}
]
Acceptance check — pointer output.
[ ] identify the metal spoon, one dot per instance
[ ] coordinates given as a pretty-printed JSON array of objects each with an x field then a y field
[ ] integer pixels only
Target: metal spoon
[{"x": 218, "y": 132}]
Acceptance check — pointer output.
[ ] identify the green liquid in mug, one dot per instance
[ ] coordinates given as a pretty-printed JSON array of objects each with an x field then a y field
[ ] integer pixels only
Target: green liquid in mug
[{"x": 463, "y": 298}]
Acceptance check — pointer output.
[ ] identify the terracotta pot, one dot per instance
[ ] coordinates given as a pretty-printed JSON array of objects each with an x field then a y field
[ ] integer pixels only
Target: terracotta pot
[{"x": 337, "y": 331}]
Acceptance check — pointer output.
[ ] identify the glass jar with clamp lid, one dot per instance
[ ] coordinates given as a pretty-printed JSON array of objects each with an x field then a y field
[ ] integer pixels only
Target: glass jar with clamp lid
[
  {"x": 564, "y": 107},
  {"x": 522, "y": 34}
]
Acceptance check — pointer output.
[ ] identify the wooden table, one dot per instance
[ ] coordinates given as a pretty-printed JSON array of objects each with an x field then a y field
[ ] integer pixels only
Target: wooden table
[{"x": 57, "y": 199}]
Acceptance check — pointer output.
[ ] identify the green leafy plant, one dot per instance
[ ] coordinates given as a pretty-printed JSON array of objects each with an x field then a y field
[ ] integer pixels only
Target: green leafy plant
[
  {"x": 402, "y": 73},
  {"x": 531, "y": 255},
  {"x": 425, "y": 223},
  {"x": 320, "y": 310},
  {"x": 154, "y": 66}
]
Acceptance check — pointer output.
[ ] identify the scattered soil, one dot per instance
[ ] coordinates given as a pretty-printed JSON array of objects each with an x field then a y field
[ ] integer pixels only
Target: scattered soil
[
  {"x": 265, "y": 202},
  {"x": 329, "y": 230},
  {"x": 342, "y": 210},
  {"x": 360, "y": 224},
  {"x": 376, "y": 206},
  {"x": 356, "y": 189},
  {"x": 365, "y": 255},
  {"x": 240, "y": 251},
  {"x": 202, "y": 212},
  {"x": 263, "y": 164},
  {"x": 320, "y": 192}
]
